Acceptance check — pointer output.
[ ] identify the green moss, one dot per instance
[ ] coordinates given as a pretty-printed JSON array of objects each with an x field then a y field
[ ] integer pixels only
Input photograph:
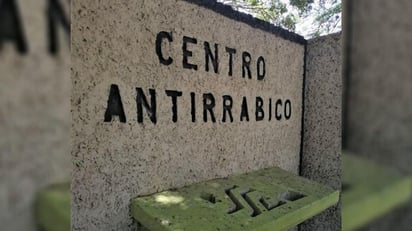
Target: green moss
[
  {"x": 370, "y": 191},
  {"x": 223, "y": 204},
  {"x": 52, "y": 208}
]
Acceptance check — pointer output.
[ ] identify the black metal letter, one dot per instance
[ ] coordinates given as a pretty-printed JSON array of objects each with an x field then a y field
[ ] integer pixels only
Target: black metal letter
[
  {"x": 114, "y": 105},
  {"x": 159, "y": 38},
  {"x": 244, "y": 113},
  {"x": 246, "y": 59},
  {"x": 261, "y": 68},
  {"x": 270, "y": 109},
  {"x": 214, "y": 58},
  {"x": 187, "y": 53},
  {"x": 227, "y": 107},
  {"x": 230, "y": 51},
  {"x": 259, "y": 113},
  {"x": 278, "y": 116},
  {"x": 193, "y": 109},
  {"x": 141, "y": 102},
  {"x": 55, "y": 14},
  {"x": 174, "y": 95},
  {"x": 10, "y": 26},
  {"x": 288, "y": 109},
  {"x": 208, "y": 105}
]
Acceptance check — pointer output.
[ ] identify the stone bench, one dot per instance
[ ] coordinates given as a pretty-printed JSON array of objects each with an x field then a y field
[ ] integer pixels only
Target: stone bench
[
  {"x": 268, "y": 199},
  {"x": 262, "y": 199},
  {"x": 52, "y": 208},
  {"x": 370, "y": 191}
]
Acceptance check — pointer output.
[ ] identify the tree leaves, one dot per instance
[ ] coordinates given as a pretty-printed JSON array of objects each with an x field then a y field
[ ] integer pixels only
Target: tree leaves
[{"x": 325, "y": 14}]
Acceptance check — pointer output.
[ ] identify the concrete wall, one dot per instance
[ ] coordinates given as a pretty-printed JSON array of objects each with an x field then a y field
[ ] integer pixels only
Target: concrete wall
[
  {"x": 379, "y": 89},
  {"x": 321, "y": 154},
  {"x": 34, "y": 118},
  {"x": 115, "y": 159}
]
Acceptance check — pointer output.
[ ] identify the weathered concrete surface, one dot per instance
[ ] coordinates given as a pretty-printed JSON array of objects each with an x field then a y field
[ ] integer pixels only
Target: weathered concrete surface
[
  {"x": 113, "y": 42},
  {"x": 34, "y": 118},
  {"x": 379, "y": 115},
  {"x": 321, "y": 155}
]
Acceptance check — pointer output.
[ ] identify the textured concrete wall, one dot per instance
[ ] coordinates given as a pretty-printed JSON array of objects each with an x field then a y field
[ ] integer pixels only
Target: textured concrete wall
[
  {"x": 379, "y": 115},
  {"x": 118, "y": 158},
  {"x": 321, "y": 154},
  {"x": 34, "y": 118}
]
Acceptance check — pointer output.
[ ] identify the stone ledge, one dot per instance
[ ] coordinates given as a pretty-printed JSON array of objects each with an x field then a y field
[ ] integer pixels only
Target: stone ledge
[
  {"x": 269, "y": 199},
  {"x": 370, "y": 191},
  {"x": 52, "y": 208}
]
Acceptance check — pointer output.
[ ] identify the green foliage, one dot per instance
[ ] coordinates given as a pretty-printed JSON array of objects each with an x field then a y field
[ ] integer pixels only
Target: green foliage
[
  {"x": 327, "y": 19},
  {"x": 273, "y": 11},
  {"x": 289, "y": 22},
  {"x": 325, "y": 16},
  {"x": 279, "y": 13},
  {"x": 301, "y": 5}
]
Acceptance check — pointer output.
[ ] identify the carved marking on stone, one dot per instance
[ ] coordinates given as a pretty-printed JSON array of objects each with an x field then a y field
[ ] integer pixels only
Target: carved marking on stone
[{"x": 252, "y": 200}]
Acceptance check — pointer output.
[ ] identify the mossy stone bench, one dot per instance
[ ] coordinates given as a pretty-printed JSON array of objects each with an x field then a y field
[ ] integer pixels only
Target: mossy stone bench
[
  {"x": 52, "y": 208},
  {"x": 370, "y": 191},
  {"x": 269, "y": 199},
  {"x": 281, "y": 200}
]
